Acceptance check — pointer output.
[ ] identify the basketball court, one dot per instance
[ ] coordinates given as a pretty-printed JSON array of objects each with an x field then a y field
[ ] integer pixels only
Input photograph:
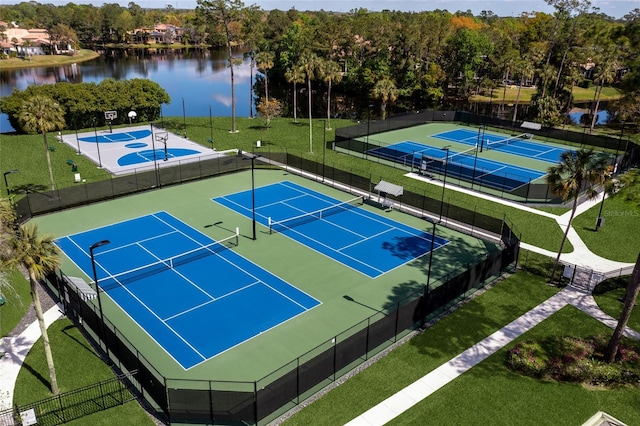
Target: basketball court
[{"x": 136, "y": 148}]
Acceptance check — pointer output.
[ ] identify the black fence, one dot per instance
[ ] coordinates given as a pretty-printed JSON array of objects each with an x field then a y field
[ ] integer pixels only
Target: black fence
[
  {"x": 35, "y": 203},
  {"x": 261, "y": 401},
  {"x": 359, "y": 140},
  {"x": 75, "y": 404},
  {"x": 422, "y": 204}
]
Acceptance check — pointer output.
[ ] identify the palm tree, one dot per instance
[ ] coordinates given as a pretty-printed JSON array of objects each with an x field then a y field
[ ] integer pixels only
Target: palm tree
[
  {"x": 330, "y": 72},
  {"x": 39, "y": 256},
  {"x": 525, "y": 69},
  {"x": 225, "y": 13},
  {"x": 252, "y": 63},
  {"x": 606, "y": 75},
  {"x": 264, "y": 62},
  {"x": 386, "y": 91},
  {"x": 629, "y": 302},
  {"x": 294, "y": 75},
  {"x": 307, "y": 64},
  {"x": 41, "y": 114},
  {"x": 577, "y": 171},
  {"x": 7, "y": 218},
  {"x": 630, "y": 190}
]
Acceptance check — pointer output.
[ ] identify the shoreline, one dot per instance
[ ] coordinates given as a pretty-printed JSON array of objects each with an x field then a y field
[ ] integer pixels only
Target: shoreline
[{"x": 40, "y": 61}]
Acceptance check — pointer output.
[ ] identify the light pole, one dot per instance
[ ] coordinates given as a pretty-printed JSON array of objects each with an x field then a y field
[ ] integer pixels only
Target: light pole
[
  {"x": 95, "y": 281},
  {"x": 253, "y": 194},
  {"x": 600, "y": 219},
  {"x": 324, "y": 145},
  {"x": 155, "y": 160},
  {"x": 479, "y": 144},
  {"x": 615, "y": 159},
  {"x": 95, "y": 132},
  {"x": 444, "y": 180},
  {"x": 184, "y": 119},
  {"x": 368, "y": 124},
  {"x": 8, "y": 172},
  {"x": 210, "y": 127},
  {"x": 75, "y": 126},
  {"x": 426, "y": 287}
]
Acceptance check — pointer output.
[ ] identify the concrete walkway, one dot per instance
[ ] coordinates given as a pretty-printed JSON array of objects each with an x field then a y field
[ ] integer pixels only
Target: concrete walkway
[
  {"x": 581, "y": 256},
  {"x": 422, "y": 388},
  {"x": 15, "y": 349}
]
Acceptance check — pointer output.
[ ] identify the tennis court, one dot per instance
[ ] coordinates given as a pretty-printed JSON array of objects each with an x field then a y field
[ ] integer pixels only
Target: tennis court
[
  {"x": 364, "y": 241},
  {"x": 464, "y": 164},
  {"x": 517, "y": 145},
  {"x": 189, "y": 293}
]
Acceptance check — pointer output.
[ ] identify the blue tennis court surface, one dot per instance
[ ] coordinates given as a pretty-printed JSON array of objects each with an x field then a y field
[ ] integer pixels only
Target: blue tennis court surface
[
  {"x": 470, "y": 167},
  {"x": 367, "y": 242},
  {"x": 194, "y": 305},
  {"x": 523, "y": 148}
]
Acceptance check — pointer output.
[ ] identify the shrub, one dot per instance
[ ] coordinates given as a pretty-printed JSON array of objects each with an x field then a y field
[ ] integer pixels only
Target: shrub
[
  {"x": 575, "y": 359},
  {"x": 529, "y": 359}
]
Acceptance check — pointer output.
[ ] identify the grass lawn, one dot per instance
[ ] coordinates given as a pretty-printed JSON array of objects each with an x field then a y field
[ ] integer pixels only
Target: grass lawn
[
  {"x": 18, "y": 301},
  {"x": 458, "y": 331},
  {"x": 609, "y": 295},
  {"x": 492, "y": 394},
  {"x": 26, "y": 153},
  {"x": 618, "y": 238},
  {"x": 580, "y": 94},
  {"x": 49, "y": 60},
  {"x": 77, "y": 365},
  {"x": 489, "y": 393}
]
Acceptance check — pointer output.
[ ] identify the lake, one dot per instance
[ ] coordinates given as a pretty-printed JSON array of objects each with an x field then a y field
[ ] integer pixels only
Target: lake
[{"x": 200, "y": 77}]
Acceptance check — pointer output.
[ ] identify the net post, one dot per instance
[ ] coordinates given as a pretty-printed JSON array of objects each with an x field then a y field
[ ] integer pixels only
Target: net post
[
  {"x": 270, "y": 225},
  {"x": 237, "y": 236}
]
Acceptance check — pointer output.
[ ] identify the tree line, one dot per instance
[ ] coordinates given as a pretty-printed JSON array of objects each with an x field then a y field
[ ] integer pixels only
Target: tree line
[{"x": 391, "y": 59}]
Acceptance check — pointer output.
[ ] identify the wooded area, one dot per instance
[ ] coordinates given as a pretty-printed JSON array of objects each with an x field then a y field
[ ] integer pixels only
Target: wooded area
[{"x": 389, "y": 59}]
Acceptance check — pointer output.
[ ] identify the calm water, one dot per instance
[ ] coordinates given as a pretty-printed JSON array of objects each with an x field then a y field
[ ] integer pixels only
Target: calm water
[{"x": 200, "y": 77}]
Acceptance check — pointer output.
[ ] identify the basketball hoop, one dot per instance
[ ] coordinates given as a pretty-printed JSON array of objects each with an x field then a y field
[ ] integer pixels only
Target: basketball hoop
[
  {"x": 110, "y": 116},
  {"x": 163, "y": 137}
]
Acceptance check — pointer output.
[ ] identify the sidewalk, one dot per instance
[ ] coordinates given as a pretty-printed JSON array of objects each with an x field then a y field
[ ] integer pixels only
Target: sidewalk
[
  {"x": 581, "y": 256},
  {"x": 15, "y": 349},
  {"x": 422, "y": 388}
]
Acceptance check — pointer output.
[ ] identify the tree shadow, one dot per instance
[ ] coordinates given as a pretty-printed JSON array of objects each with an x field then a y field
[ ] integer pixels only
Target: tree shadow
[
  {"x": 43, "y": 380},
  {"x": 451, "y": 259},
  {"x": 28, "y": 188},
  {"x": 79, "y": 342}
]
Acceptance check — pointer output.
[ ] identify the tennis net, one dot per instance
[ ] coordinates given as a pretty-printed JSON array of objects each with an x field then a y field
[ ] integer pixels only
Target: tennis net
[
  {"x": 507, "y": 141},
  {"x": 460, "y": 156},
  {"x": 315, "y": 215},
  {"x": 145, "y": 271}
]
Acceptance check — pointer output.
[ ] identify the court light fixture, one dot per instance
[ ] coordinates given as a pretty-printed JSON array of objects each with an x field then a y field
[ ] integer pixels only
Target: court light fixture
[
  {"x": 425, "y": 295},
  {"x": 444, "y": 180},
  {"x": 8, "y": 172},
  {"x": 95, "y": 281},
  {"x": 252, "y": 157}
]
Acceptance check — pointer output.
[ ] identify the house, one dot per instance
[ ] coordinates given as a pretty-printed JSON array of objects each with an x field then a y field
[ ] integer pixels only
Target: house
[
  {"x": 159, "y": 34},
  {"x": 23, "y": 42}
]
